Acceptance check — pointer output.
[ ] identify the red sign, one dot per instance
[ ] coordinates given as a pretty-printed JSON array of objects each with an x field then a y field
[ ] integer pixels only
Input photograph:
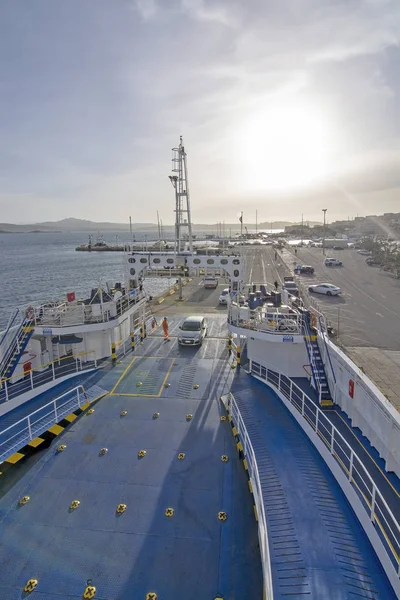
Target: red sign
[
  {"x": 351, "y": 388},
  {"x": 71, "y": 296}
]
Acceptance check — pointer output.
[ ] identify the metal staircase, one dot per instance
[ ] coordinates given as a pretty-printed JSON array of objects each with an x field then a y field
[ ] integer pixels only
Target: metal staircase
[
  {"x": 16, "y": 348},
  {"x": 317, "y": 365}
]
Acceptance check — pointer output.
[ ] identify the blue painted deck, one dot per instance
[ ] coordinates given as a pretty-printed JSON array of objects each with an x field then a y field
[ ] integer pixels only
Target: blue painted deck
[
  {"x": 192, "y": 555},
  {"x": 388, "y": 483},
  {"x": 318, "y": 548}
]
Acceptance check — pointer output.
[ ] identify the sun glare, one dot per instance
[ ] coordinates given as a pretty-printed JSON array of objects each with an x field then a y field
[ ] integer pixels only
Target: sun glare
[{"x": 284, "y": 148}]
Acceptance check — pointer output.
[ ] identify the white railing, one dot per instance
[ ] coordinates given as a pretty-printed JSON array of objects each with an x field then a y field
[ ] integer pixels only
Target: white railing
[
  {"x": 66, "y": 365},
  {"x": 370, "y": 496},
  {"x": 22, "y": 432},
  {"x": 233, "y": 410},
  {"x": 64, "y": 314},
  {"x": 265, "y": 320}
]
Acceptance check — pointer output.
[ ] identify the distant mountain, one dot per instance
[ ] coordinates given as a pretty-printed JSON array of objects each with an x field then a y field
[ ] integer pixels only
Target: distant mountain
[{"x": 84, "y": 225}]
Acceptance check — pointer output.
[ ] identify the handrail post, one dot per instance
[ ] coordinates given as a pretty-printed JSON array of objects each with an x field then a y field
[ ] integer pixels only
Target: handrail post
[
  {"x": 316, "y": 420},
  {"x": 31, "y": 378},
  {"x": 76, "y": 364},
  {"x": 53, "y": 370},
  {"x": 29, "y": 428},
  {"x": 373, "y": 503},
  {"x": 351, "y": 466},
  {"x": 78, "y": 396},
  {"x": 6, "y": 389},
  {"x": 303, "y": 401},
  {"x": 332, "y": 439},
  {"x": 55, "y": 409}
]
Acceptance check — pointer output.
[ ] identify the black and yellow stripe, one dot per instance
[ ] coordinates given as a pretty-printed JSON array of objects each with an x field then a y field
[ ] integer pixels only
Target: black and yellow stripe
[
  {"x": 46, "y": 437},
  {"x": 242, "y": 456}
]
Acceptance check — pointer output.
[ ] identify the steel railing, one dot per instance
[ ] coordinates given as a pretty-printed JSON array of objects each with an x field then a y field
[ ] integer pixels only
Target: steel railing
[
  {"x": 231, "y": 406},
  {"x": 368, "y": 492},
  {"x": 66, "y": 365},
  {"x": 25, "y": 430}
]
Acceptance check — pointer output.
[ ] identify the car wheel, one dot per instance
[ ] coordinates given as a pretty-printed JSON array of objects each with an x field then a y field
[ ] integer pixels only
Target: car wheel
[
  {"x": 329, "y": 293},
  {"x": 311, "y": 290}
]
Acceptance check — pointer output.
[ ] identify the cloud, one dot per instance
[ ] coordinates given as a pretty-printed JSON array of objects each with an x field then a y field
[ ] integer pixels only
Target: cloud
[{"x": 147, "y": 9}]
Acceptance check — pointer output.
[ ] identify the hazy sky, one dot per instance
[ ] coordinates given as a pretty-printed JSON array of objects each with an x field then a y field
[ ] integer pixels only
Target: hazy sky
[{"x": 285, "y": 107}]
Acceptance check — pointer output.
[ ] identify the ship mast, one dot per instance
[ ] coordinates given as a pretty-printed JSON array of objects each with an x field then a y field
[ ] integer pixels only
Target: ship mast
[{"x": 182, "y": 201}]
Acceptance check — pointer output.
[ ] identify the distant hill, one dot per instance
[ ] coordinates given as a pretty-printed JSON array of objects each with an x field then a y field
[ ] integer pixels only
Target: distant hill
[{"x": 71, "y": 224}]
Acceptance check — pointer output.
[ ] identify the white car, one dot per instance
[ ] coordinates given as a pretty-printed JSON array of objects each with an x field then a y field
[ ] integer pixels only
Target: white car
[
  {"x": 210, "y": 283},
  {"x": 192, "y": 331},
  {"x": 333, "y": 262},
  {"x": 223, "y": 299},
  {"x": 365, "y": 252},
  {"x": 325, "y": 288}
]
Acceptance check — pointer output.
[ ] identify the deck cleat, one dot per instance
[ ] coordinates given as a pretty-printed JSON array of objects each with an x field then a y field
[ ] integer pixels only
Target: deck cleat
[
  {"x": 181, "y": 455},
  {"x": 90, "y": 411},
  {"x": 196, "y": 386},
  {"x": 90, "y": 592},
  {"x": 30, "y": 585},
  {"x": 121, "y": 508},
  {"x": 224, "y": 458},
  {"x": 139, "y": 383},
  {"x": 74, "y": 505},
  {"x": 151, "y": 596},
  {"x": 24, "y": 500},
  {"x": 142, "y": 453},
  {"x": 169, "y": 512},
  {"x": 167, "y": 385},
  {"x": 156, "y": 415},
  {"x": 123, "y": 413},
  {"x": 222, "y": 515},
  {"x": 61, "y": 448},
  {"x": 189, "y": 417},
  {"x": 103, "y": 451},
  {"x": 223, "y": 418}
]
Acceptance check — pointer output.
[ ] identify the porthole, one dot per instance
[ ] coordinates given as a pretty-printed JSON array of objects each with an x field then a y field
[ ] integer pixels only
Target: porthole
[
  {"x": 132, "y": 260},
  {"x": 236, "y": 261},
  {"x": 210, "y": 261},
  {"x": 133, "y": 271},
  {"x": 170, "y": 261},
  {"x": 156, "y": 261},
  {"x": 224, "y": 261},
  {"x": 236, "y": 273},
  {"x": 143, "y": 260},
  {"x": 197, "y": 261}
]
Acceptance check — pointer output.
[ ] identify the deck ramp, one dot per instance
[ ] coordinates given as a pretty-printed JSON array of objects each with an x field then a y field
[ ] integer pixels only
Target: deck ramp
[
  {"x": 318, "y": 549},
  {"x": 191, "y": 555}
]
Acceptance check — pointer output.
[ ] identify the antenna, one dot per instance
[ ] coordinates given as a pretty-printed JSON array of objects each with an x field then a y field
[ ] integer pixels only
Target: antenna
[{"x": 182, "y": 201}]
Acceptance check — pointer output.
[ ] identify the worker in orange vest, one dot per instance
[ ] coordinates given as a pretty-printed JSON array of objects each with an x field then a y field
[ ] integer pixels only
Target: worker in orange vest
[{"x": 165, "y": 328}]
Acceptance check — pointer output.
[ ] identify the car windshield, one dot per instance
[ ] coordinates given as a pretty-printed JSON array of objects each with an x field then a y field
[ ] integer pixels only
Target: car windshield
[{"x": 191, "y": 326}]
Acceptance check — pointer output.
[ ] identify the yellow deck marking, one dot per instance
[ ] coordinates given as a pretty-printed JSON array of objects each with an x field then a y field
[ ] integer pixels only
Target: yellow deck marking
[
  {"x": 71, "y": 417},
  {"x": 123, "y": 374},
  {"x": 56, "y": 429},
  {"x": 36, "y": 442},
  {"x": 14, "y": 458},
  {"x": 366, "y": 451}
]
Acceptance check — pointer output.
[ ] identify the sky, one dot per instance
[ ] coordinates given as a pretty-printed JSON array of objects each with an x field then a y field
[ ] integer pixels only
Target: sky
[{"x": 285, "y": 108}]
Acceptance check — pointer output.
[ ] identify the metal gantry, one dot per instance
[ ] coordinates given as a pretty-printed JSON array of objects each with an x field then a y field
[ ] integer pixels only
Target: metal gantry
[{"x": 182, "y": 200}]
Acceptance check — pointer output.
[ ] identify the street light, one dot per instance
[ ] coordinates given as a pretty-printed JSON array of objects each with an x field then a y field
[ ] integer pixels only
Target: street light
[{"x": 323, "y": 243}]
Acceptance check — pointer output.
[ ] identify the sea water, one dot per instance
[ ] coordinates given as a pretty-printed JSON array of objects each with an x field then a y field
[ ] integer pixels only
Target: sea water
[{"x": 39, "y": 267}]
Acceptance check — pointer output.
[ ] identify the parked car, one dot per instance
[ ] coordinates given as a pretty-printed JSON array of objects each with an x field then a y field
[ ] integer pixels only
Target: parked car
[
  {"x": 325, "y": 288},
  {"x": 210, "y": 283},
  {"x": 365, "y": 252},
  {"x": 338, "y": 248},
  {"x": 333, "y": 262},
  {"x": 192, "y": 331},
  {"x": 372, "y": 262},
  {"x": 223, "y": 299},
  {"x": 304, "y": 270}
]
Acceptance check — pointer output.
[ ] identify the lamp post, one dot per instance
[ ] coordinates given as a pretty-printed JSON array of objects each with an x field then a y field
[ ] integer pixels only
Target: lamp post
[{"x": 323, "y": 242}]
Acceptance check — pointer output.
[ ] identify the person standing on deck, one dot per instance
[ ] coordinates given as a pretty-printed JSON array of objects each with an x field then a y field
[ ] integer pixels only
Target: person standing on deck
[{"x": 165, "y": 329}]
